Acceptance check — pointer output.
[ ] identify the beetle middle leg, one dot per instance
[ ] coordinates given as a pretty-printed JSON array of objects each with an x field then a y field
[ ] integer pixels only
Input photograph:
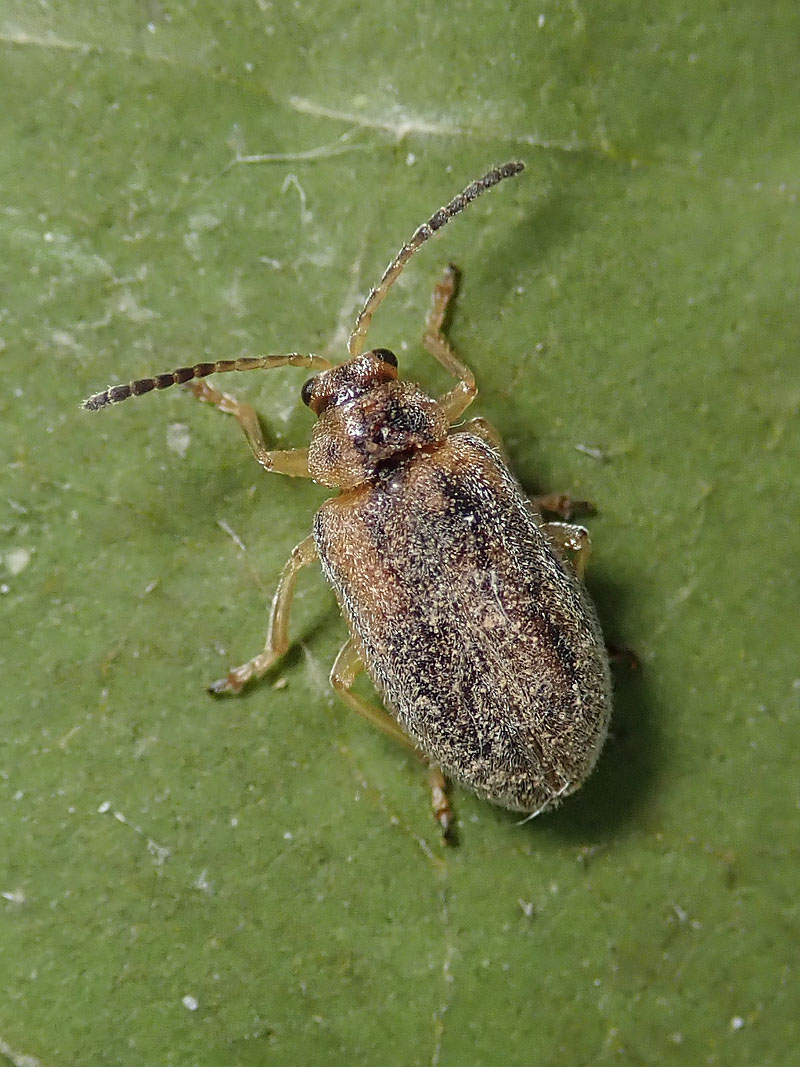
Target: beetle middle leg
[
  {"x": 346, "y": 668},
  {"x": 481, "y": 427},
  {"x": 278, "y": 631},
  {"x": 293, "y": 461},
  {"x": 572, "y": 541},
  {"x": 561, "y": 504}
]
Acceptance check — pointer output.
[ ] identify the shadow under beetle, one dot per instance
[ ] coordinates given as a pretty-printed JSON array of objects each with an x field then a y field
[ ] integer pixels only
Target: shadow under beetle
[{"x": 465, "y": 607}]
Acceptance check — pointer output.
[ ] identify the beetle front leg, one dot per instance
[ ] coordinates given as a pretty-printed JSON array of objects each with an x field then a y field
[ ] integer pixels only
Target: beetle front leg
[
  {"x": 346, "y": 668},
  {"x": 293, "y": 461},
  {"x": 456, "y": 401},
  {"x": 278, "y": 632}
]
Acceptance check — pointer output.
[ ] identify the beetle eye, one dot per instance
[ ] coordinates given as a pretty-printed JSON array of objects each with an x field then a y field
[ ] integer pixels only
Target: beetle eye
[
  {"x": 306, "y": 391},
  {"x": 385, "y": 356}
]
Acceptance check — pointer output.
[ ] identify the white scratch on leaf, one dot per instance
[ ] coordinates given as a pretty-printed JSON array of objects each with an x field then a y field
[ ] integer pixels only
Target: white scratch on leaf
[
  {"x": 402, "y": 125},
  {"x": 223, "y": 525},
  {"x": 339, "y": 147},
  {"x": 349, "y": 305},
  {"x": 448, "y": 980},
  {"x": 18, "y": 1059},
  {"x": 33, "y": 40},
  {"x": 292, "y": 180},
  {"x": 159, "y": 853}
]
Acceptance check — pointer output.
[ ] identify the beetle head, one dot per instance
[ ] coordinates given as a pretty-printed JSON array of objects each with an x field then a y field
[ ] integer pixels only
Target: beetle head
[
  {"x": 367, "y": 419},
  {"x": 349, "y": 380}
]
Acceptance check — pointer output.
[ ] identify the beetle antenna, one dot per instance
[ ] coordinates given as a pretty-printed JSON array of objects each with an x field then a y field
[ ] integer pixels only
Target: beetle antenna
[
  {"x": 420, "y": 236},
  {"x": 115, "y": 394}
]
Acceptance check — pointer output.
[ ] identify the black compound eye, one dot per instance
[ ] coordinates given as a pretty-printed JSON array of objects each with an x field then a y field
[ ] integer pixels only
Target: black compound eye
[
  {"x": 385, "y": 356},
  {"x": 306, "y": 391}
]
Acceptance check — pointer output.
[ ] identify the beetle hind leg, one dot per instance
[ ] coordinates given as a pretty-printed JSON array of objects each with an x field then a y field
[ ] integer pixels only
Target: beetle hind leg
[
  {"x": 440, "y": 803},
  {"x": 346, "y": 668}
]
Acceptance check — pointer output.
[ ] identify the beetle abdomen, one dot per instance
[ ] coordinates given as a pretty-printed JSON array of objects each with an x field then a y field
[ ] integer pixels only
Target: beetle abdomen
[{"x": 481, "y": 640}]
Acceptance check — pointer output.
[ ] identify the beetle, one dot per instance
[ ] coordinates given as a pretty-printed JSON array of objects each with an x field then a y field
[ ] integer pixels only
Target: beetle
[{"x": 466, "y": 608}]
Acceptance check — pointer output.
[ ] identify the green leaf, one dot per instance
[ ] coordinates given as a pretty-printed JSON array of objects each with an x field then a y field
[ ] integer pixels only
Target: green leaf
[{"x": 258, "y": 880}]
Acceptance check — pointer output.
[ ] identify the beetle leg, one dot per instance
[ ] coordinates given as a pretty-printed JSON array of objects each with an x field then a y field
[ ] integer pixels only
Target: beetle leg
[
  {"x": 346, "y": 668},
  {"x": 623, "y": 657},
  {"x": 571, "y": 539},
  {"x": 440, "y": 803},
  {"x": 563, "y": 505},
  {"x": 278, "y": 631},
  {"x": 457, "y": 400},
  {"x": 487, "y": 432},
  {"x": 293, "y": 461}
]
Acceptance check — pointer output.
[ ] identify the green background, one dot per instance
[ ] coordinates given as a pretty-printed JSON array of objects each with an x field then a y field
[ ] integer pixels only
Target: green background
[{"x": 629, "y": 306}]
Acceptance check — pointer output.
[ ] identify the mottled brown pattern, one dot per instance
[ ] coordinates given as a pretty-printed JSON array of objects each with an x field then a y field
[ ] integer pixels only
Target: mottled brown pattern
[{"x": 481, "y": 640}]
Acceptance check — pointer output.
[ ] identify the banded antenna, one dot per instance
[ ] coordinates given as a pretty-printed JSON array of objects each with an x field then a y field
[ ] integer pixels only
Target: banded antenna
[{"x": 115, "y": 394}]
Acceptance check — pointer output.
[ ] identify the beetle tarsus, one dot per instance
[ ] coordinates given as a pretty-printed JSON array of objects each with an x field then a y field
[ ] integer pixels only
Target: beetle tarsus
[
  {"x": 563, "y": 505},
  {"x": 440, "y": 803},
  {"x": 229, "y": 684}
]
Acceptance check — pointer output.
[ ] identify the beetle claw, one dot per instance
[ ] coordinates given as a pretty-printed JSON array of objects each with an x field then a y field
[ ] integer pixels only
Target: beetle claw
[{"x": 229, "y": 684}]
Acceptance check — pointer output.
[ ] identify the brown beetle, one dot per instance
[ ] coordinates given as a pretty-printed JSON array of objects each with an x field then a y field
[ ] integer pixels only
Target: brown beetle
[{"x": 466, "y": 608}]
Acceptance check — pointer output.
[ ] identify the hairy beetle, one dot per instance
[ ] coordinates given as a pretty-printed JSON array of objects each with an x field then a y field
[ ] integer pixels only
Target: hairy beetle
[{"x": 466, "y": 608}]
